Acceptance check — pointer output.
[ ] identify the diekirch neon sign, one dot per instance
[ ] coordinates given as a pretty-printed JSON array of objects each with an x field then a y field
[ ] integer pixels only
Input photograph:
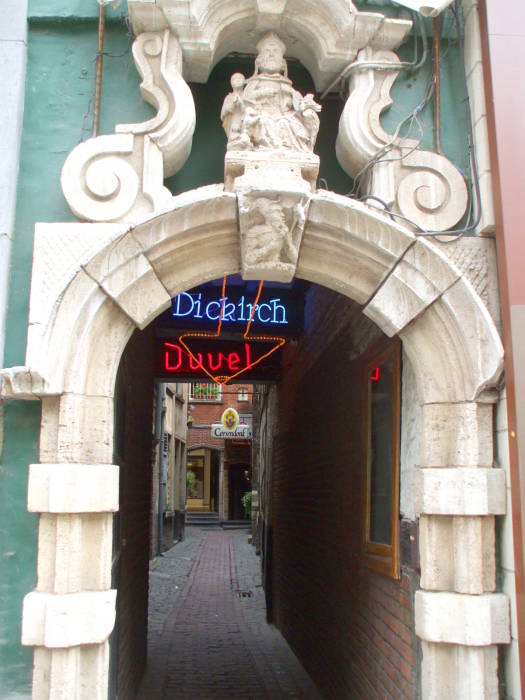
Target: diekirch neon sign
[
  {"x": 200, "y": 352},
  {"x": 196, "y": 306}
]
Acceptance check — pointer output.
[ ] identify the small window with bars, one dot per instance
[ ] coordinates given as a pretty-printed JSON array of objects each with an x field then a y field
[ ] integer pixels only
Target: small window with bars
[{"x": 205, "y": 391}]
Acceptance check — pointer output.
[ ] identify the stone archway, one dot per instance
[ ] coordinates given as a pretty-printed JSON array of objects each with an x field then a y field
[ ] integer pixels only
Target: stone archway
[{"x": 108, "y": 279}]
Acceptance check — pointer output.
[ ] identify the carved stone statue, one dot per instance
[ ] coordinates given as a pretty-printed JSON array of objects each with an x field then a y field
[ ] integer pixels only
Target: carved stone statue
[
  {"x": 271, "y": 233},
  {"x": 265, "y": 112}
]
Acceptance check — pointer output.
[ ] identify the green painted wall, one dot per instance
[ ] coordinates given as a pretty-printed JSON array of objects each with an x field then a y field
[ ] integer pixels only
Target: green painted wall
[{"x": 61, "y": 55}]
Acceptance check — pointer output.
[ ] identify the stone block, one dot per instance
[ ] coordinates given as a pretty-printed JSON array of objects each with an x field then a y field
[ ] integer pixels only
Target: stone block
[
  {"x": 73, "y": 488},
  {"x": 463, "y": 673},
  {"x": 474, "y": 555},
  {"x": 127, "y": 276},
  {"x": 57, "y": 621},
  {"x": 74, "y": 552},
  {"x": 345, "y": 240},
  {"x": 77, "y": 672},
  {"x": 416, "y": 281},
  {"x": 85, "y": 429},
  {"x": 436, "y": 552},
  {"x": 460, "y": 491},
  {"x": 442, "y": 347},
  {"x": 472, "y": 39},
  {"x": 457, "y": 435},
  {"x": 469, "y": 620}
]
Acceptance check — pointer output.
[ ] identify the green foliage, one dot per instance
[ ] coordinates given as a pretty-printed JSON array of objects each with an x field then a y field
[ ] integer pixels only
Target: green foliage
[
  {"x": 191, "y": 481},
  {"x": 246, "y": 501}
]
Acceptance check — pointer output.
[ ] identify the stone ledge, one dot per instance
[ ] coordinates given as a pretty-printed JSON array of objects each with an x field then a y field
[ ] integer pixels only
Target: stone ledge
[
  {"x": 73, "y": 488},
  {"x": 459, "y": 491},
  {"x": 60, "y": 621},
  {"x": 469, "y": 620}
]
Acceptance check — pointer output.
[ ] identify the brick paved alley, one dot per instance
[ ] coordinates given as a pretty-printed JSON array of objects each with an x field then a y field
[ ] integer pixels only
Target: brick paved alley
[{"x": 207, "y": 636}]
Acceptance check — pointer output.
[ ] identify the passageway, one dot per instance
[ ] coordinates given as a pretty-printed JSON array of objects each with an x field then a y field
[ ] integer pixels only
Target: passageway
[{"x": 207, "y": 635}]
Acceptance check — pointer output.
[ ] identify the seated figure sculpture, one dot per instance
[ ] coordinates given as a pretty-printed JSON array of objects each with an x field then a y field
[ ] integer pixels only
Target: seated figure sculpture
[{"x": 265, "y": 112}]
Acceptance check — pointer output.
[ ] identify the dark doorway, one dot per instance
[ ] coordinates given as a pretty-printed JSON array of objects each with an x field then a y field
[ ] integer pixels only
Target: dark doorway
[{"x": 239, "y": 484}]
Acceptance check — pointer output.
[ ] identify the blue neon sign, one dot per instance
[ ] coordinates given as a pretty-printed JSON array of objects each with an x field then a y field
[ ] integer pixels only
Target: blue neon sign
[{"x": 189, "y": 306}]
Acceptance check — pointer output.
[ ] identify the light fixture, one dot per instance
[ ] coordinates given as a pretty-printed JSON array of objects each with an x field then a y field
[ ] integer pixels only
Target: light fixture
[{"x": 428, "y": 8}]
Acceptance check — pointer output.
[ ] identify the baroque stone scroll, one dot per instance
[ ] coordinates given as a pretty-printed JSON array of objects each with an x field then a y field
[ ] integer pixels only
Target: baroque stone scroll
[
  {"x": 423, "y": 186},
  {"x": 120, "y": 177}
]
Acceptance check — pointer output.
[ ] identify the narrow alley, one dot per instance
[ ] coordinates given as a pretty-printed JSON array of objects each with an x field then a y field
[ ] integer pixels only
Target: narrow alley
[{"x": 208, "y": 637}]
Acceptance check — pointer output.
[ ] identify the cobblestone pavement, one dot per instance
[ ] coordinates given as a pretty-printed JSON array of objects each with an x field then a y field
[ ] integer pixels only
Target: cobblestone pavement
[{"x": 208, "y": 637}]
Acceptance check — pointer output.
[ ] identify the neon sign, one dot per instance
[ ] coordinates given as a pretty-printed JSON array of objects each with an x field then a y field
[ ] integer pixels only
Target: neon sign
[
  {"x": 218, "y": 359},
  {"x": 177, "y": 359},
  {"x": 195, "y": 306},
  {"x": 374, "y": 375}
]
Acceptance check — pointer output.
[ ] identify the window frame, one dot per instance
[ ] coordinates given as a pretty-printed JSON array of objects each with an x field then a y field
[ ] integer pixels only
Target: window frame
[{"x": 381, "y": 557}]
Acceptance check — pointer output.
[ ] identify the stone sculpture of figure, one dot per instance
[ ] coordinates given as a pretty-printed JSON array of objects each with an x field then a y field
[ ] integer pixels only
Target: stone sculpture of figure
[
  {"x": 272, "y": 241},
  {"x": 265, "y": 111}
]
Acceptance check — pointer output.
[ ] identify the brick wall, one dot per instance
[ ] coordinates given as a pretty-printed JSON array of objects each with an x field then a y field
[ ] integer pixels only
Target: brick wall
[
  {"x": 351, "y": 627},
  {"x": 134, "y": 416}
]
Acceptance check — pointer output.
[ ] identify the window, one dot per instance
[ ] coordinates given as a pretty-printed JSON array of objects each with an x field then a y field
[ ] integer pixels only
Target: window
[
  {"x": 205, "y": 391},
  {"x": 381, "y": 410},
  {"x": 242, "y": 394}
]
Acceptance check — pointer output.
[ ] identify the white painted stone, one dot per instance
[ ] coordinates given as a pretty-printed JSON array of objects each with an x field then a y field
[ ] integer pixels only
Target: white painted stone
[
  {"x": 120, "y": 177},
  {"x": 457, "y": 435},
  {"x": 472, "y": 39},
  {"x": 488, "y": 218},
  {"x": 54, "y": 621},
  {"x": 210, "y": 30},
  {"x": 416, "y": 281},
  {"x": 475, "y": 257},
  {"x": 463, "y": 673},
  {"x": 85, "y": 429},
  {"x": 423, "y": 186},
  {"x": 348, "y": 247},
  {"x": 443, "y": 368},
  {"x": 124, "y": 268},
  {"x": 460, "y": 491},
  {"x": 22, "y": 383},
  {"x": 509, "y": 588},
  {"x": 436, "y": 552},
  {"x": 511, "y": 670},
  {"x": 481, "y": 143},
  {"x": 476, "y": 91},
  {"x": 474, "y": 555},
  {"x": 470, "y": 620},
  {"x": 74, "y": 552},
  {"x": 73, "y": 488},
  {"x": 410, "y": 439}
]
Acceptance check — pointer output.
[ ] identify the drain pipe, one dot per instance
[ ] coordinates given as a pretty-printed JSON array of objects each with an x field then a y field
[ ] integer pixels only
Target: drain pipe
[
  {"x": 160, "y": 434},
  {"x": 98, "y": 67},
  {"x": 436, "y": 49}
]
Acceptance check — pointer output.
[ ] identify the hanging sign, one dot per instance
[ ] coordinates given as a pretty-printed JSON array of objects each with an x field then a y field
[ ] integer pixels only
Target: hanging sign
[
  {"x": 253, "y": 360},
  {"x": 230, "y": 427}
]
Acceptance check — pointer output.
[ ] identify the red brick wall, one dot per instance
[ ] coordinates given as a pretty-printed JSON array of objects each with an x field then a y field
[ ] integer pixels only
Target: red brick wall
[
  {"x": 134, "y": 411},
  {"x": 205, "y": 413},
  {"x": 351, "y": 627}
]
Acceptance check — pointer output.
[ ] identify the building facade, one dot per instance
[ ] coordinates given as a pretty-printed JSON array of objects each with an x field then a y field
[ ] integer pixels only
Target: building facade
[{"x": 377, "y": 192}]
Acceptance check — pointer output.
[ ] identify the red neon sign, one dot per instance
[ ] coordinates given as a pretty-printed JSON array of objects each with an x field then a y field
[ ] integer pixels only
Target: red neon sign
[
  {"x": 374, "y": 375},
  {"x": 222, "y": 367},
  {"x": 177, "y": 359}
]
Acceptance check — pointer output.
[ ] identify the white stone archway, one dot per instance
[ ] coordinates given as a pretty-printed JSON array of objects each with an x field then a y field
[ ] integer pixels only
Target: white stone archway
[{"x": 93, "y": 284}]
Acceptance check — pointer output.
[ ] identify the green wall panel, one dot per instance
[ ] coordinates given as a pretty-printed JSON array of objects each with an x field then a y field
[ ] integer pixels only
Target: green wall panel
[{"x": 18, "y": 533}]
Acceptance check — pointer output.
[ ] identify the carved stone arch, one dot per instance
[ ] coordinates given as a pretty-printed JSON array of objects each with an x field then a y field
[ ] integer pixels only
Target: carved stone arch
[
  {"x": 93, "y": 284},
  {"x": 325, "y": 36}
]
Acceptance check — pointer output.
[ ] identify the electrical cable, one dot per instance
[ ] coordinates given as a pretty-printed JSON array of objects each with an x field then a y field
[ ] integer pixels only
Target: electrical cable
[
  {"x": 383, "y": 65},
  {"x": 453, "y": 234}
]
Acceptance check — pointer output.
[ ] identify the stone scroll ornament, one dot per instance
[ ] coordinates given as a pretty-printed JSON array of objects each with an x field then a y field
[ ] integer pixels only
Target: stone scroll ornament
[
  {"x": 422, "y": 186},
  {"x": 271, "y": 129},
  {"x": 120, "y": 177}
]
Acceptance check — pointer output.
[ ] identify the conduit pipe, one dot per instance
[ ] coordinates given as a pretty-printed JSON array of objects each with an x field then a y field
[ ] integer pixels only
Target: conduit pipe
[{"x": 98, "y": 67}]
